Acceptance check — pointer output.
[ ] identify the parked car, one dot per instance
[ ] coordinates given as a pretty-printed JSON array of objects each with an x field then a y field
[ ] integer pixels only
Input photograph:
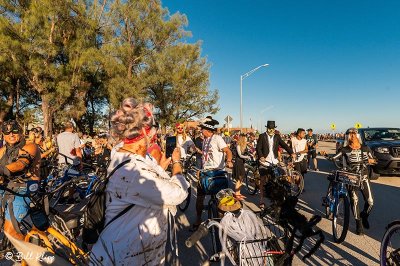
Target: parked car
[{"x": 385, "y": 145}]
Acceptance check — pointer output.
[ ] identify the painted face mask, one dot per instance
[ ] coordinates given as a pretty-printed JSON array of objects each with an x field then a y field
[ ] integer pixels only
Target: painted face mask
[{"x": 271, "y": 131}]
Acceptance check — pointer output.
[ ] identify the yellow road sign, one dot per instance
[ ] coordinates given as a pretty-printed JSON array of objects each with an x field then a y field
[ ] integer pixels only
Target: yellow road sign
[
  {"x": 333, "y": 126},
  {"x": 358, "y": 125}
]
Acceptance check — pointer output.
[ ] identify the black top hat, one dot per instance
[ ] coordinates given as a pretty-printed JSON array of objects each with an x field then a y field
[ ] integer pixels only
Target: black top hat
[
  {"x": 209, "y": 123},
  {"x": 270, "y": 124}
]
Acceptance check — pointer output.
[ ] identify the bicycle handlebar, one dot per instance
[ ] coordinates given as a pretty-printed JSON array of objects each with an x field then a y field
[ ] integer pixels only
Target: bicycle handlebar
[
  {"x": 201, "y": 232},
  {"x": 67, "y": 157}
]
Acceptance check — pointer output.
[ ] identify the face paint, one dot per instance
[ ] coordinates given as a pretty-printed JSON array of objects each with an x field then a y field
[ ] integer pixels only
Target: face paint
[{"x": 271, "y": 131}]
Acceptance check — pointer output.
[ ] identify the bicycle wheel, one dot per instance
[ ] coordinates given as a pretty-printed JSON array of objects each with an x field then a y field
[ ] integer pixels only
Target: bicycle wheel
[
  {"x": 185, "y": 204},
  {"x": 296, "y": 181},
  {"x": 390, "y": 245},
  {"x": 213, "y": 214},
  {"x": 252, "y": 179},
  {"x": 327, "y": 204},
  {"x": 341, "y": 216}
]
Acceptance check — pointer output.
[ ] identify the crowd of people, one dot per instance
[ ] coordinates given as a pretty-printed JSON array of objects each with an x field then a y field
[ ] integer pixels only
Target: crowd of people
[{"x": 140, "y": 186}]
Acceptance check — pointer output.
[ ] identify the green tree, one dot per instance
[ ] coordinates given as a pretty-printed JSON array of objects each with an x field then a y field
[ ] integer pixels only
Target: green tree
[
  {"x": 178, "y": 79},
  {"x": 138, "y": 29},
  {"x": 54, "y": 45}
]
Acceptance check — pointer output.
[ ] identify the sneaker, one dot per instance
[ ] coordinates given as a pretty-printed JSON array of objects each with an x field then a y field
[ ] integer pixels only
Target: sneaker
[
  {"x": 359, "y": 228},
  {"x": 364, "y": 219},
  {"x": 316, "y": 169}
]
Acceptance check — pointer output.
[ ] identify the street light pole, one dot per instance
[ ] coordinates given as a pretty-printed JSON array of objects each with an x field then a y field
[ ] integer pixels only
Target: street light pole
[
  {"x": 242, "y": 77},
  {"x": 241, "y": 103}
]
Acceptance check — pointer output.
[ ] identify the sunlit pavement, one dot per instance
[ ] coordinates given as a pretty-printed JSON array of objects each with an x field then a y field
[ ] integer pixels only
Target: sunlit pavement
[{"x": 356, "y": 250}]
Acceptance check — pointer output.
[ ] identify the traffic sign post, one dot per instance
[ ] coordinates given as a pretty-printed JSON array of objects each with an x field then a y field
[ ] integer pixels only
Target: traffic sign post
[
  {"x": 333, "y": 127},
  {"x": 228, "y": 120}
]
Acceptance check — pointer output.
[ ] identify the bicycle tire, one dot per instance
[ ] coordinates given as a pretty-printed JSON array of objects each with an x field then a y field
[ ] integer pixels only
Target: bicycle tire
[
  {"x": 213, "y": 214},
  {"x": 384, "y": 260},
  {"x": 328, "y": 213},
  {"x": 296, "y": 184},
  {"x": 185, "y": 204},
  {"x": 251, "y": 181},
  {"x": 343, "y": 200}
]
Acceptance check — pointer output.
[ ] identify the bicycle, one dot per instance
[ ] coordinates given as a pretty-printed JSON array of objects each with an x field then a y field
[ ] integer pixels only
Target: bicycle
[
  {"x": 264, "y": 251},
  {"x": 253, "y": 177},
  {"x": 390, "y": 245},
  {"x": 53, "y": 234},
  {"x": 80, "y": 182},
  {"x": 267, "y": 248},
  {"x": 211, "y": 182},
  {"x": 289, "y": 223},
  {"x": 337, "y": 203},
  {"x": 188, "y": 171}
]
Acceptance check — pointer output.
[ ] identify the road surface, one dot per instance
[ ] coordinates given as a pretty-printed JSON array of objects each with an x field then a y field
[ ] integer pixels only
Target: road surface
[{"x": 356, "y": 250}]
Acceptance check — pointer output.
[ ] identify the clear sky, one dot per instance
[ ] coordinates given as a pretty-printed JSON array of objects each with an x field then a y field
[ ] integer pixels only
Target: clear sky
[{"x": 330, "y": 61}]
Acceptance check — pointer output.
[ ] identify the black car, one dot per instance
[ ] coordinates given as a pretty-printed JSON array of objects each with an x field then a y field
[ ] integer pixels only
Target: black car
[{"x": 385, "y": 145}]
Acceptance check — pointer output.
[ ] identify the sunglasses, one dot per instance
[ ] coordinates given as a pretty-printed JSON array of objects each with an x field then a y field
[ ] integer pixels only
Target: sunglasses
[
  {"x": 14, "y": 131},
  {"x": 179, "y": 128}
]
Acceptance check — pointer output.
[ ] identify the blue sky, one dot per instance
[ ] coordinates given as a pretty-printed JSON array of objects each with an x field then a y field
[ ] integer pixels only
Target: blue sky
[{"x": 330, "y": 61}]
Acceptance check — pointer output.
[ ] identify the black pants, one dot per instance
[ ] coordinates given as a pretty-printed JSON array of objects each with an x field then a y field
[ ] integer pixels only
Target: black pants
[
  {"x": 368, "y": 199},
  {"x": 301, "y": 167}
]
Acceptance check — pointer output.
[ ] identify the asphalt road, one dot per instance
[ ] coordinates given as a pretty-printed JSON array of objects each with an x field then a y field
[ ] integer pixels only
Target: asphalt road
[{"x": 356, "y": 250}]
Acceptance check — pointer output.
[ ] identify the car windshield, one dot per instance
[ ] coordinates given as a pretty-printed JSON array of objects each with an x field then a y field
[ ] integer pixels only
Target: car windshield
[{"x": 382, "y": 134}]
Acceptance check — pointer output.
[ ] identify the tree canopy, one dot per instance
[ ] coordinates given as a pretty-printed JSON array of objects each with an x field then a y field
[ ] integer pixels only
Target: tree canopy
[{"x": 79, "y": 58}]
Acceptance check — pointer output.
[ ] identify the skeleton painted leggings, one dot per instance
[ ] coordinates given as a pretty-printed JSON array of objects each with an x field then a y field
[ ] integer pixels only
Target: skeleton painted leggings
[{"x": 368, "y": 199}]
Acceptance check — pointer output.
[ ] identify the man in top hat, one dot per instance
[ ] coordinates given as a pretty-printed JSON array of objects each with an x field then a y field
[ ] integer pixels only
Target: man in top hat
[
  {"x": 216, "y": 155},
  {"x": 267, "y": 151}
]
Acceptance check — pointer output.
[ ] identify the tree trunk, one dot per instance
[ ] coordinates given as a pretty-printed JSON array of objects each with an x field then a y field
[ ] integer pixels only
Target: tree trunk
[
  {"x": 5, "y": 113},
  {"x": 47, "y": 116}
]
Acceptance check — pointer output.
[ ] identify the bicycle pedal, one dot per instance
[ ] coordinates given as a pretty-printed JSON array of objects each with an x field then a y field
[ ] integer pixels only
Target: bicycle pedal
[{"x": 216, "y": 257}]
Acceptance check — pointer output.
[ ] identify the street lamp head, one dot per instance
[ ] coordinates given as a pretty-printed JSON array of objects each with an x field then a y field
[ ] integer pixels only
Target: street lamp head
[{"x": 265, "y": 65}]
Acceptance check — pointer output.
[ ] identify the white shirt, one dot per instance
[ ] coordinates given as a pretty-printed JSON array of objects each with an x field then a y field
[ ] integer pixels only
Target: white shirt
[
  {"x": 213, "y": 156},
  {"x": 299, "y": 146},
  {"x": 67, "y": 142},
  {"x": 270, "y": 160},
  {"x": 184, "y": 145}
]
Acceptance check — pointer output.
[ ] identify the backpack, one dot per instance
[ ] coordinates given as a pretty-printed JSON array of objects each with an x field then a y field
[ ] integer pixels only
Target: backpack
[{"x": 94, "y": 214}]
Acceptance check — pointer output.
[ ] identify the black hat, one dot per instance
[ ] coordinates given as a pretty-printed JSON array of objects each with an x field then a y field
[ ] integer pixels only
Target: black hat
[
  {"x": 270, "y": 124},
  {"x": 209, "y": 123},
  {"x": 11, "y": 126}
]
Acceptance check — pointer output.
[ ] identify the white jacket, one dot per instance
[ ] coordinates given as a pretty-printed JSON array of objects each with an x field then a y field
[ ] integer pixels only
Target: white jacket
[{"x": 139, "y": 236}]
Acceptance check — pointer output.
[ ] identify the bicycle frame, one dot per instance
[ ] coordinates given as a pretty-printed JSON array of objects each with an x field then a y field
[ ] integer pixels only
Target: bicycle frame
[
  {"x": 337, "y": 189},
  {"x": 43, "y": 235},
  {"x": 58, "y": 236}
]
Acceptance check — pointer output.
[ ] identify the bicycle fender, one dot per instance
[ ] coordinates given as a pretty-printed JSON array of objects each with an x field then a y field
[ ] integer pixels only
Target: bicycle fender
[{"x": 392, "y": 223}]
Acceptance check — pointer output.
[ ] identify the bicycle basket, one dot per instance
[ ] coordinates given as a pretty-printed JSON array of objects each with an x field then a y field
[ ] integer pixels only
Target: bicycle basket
[
  {"x": 348, "y": 178},
  {"x": 211, "y": 182}
]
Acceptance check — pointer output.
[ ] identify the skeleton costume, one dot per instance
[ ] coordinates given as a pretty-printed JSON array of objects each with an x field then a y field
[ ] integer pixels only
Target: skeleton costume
[{"x": 353, "y": 161}]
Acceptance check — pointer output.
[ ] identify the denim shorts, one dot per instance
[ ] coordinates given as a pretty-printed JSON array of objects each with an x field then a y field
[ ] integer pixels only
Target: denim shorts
[{"x": 20, "y": 206}]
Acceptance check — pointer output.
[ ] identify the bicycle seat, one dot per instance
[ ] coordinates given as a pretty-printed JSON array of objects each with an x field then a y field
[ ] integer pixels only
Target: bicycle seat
[{"x": 71, "y": 219}]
